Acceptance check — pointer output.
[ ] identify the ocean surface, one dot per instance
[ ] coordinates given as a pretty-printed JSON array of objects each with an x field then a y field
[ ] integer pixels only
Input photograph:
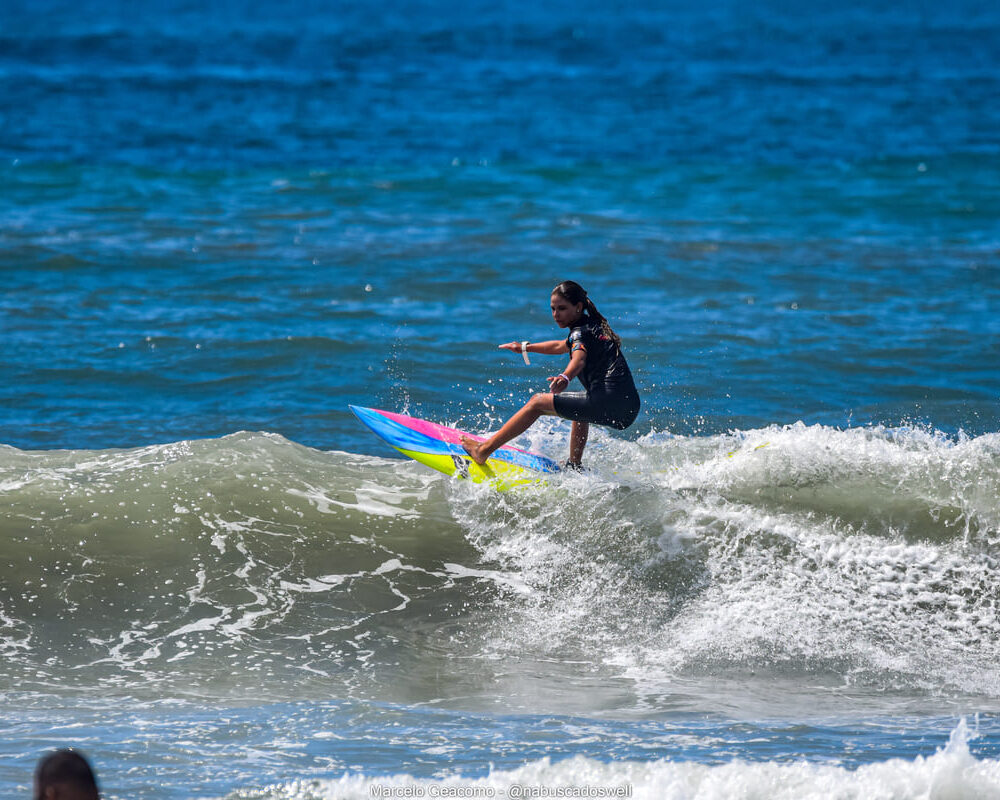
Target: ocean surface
[{"x": 221, "y": 224}]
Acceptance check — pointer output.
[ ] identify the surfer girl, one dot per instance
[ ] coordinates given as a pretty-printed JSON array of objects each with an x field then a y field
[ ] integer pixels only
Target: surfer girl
[{"x": 610, "y": 397}]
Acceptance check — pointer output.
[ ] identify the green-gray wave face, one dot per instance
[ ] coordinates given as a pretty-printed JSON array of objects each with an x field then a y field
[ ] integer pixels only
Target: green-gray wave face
[{"x": 791, "y": 556}]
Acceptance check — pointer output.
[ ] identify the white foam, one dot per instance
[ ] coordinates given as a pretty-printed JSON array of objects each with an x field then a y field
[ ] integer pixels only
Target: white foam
[
  {"x": 952, "y": 773},
  {"x": 860, "y": 556}
]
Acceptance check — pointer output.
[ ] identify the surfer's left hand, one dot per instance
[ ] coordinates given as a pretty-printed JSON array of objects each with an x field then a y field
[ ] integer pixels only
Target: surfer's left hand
[{"x": 557, "y": 383}]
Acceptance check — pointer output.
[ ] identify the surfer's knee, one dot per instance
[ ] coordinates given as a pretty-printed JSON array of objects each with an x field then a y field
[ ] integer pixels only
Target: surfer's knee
[{"x": 541, "y": 402}]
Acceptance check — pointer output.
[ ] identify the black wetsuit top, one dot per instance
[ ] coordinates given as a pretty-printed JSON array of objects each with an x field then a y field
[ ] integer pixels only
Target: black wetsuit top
[{"x": 611, "y": 397}]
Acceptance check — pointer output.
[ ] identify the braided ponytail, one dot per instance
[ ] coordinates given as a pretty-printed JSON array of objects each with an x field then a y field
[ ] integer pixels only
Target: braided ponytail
[{"x": 575, "y": 293}]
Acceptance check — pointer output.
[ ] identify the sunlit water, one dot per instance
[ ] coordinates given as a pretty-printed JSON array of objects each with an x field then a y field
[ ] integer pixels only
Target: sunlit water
[{"x": 220, "y": 227}]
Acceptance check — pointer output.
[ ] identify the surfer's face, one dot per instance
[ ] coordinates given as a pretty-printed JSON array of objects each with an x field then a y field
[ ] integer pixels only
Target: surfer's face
[{"x": 564, "y": 312}]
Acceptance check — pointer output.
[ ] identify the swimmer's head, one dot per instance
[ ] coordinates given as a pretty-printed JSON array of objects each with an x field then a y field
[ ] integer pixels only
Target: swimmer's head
[{"x": 65, "y": 775}]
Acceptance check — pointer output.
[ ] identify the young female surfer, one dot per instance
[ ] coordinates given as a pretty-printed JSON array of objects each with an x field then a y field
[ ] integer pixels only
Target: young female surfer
[{"x": 595, "y": 357}]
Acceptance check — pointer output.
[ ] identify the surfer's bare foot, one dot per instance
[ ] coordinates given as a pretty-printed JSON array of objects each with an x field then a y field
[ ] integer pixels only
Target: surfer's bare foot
[{"x": 474, "y": 448}]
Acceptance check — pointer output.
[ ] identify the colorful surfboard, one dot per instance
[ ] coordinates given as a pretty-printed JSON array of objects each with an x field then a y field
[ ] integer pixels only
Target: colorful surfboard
[{"x": 440, "y": 448}]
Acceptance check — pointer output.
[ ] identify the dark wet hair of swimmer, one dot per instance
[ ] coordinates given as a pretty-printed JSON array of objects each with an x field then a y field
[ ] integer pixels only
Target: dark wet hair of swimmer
[{"x": 65, "y": 775}]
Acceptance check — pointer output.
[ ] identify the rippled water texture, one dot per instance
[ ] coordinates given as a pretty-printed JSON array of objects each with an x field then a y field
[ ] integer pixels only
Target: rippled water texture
[{"x": 220, "y": 225}]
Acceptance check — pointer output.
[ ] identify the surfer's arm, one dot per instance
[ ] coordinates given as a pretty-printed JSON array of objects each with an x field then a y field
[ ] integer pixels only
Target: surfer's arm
[
  {"x": 558, "y": 383},
  {"x": 552, "y": 348}
]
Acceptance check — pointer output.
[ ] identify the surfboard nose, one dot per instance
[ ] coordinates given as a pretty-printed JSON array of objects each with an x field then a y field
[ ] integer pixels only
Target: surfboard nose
[{"x": 369, "y": 416}]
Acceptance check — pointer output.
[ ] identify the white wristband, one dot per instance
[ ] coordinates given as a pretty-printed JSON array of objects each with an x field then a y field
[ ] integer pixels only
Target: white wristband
[
  {"x": 524, "y": 353},
  {"x": 564, "y": 376}
]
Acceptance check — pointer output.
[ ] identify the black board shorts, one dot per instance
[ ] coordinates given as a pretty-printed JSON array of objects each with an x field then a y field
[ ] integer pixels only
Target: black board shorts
[{"x": 614, "y": 410}]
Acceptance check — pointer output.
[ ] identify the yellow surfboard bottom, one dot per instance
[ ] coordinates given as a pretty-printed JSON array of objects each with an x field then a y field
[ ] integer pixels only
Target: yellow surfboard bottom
[{"x": 501, "y": 475}]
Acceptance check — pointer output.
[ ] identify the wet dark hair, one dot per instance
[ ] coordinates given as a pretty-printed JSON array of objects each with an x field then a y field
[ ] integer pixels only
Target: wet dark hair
[
  {"x": 575, "y": 293},
  {"x": 65, "y": 767}
]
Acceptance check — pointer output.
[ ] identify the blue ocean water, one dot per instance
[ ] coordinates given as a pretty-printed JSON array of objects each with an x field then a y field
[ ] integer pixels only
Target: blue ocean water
[{"x": 219, "y": 226}]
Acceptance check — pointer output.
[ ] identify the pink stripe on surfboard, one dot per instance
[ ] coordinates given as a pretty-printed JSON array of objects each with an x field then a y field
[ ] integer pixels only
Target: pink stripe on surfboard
[{"x": 435, "y": 431}]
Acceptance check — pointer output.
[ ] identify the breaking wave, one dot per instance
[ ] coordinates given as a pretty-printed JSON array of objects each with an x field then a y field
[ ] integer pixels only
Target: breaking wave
[{"x": 774, "y": 561}]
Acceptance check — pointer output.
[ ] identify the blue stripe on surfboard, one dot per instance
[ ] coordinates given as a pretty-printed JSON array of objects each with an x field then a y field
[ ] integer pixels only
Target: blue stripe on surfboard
[{"x": 400, "y": 436}]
